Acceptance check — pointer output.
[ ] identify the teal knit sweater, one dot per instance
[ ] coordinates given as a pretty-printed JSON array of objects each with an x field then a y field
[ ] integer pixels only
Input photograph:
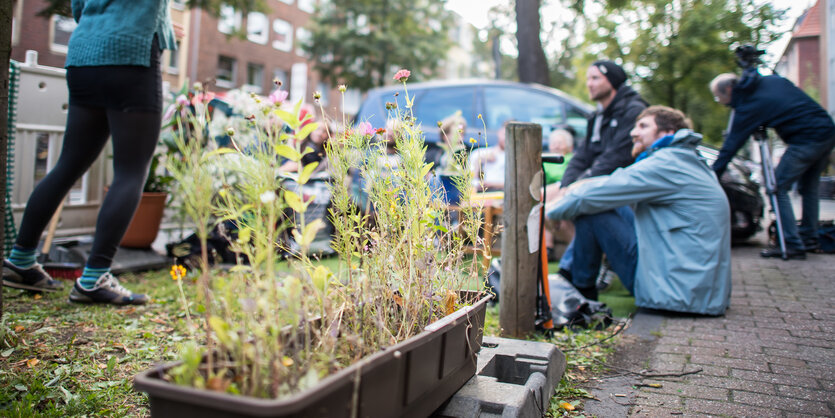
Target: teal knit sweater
[{"x": 118, "y": 32}]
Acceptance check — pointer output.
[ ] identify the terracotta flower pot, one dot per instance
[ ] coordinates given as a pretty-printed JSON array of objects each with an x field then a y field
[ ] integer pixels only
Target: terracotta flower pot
[
  {"x": 410, "y": 379},
  {"x": 144, "y": 226}
]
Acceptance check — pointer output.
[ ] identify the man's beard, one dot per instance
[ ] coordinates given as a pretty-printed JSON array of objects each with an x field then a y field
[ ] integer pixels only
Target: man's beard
[
  {"x": 601, "y": 95},
  {"x": 637, "y": 148}
]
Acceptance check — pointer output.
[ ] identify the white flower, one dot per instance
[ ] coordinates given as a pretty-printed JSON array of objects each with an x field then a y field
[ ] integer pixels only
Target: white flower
[{"x": 267, "y": 197}]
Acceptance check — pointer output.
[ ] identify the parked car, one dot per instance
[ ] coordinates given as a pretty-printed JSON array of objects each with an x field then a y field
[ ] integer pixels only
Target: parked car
[{"x": 498, "y": 101}]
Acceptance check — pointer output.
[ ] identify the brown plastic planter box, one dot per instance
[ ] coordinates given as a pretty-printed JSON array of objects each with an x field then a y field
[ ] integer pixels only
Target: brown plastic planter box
[{"x": 410, "y": 379}]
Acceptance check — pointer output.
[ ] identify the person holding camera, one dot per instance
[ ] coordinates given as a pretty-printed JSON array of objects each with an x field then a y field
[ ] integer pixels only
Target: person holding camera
[
  {"x": 682, "y": 218},
  {"x": 807, "y": 129}
]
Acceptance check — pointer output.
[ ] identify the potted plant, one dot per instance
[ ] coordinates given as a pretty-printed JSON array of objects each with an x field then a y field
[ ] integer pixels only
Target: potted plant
[{"x": 387, "y": 333}]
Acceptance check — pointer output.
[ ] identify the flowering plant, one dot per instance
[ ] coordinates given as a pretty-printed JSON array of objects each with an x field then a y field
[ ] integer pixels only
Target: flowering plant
[{"x": 274, "y": 328}]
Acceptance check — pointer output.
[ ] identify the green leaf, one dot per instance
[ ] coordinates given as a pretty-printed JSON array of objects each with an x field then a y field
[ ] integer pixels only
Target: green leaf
[
  {"x": 307, "y": 172},
  {"x": 221, "y": 329},
  {"x": 294, "y": 201},
  {"x": 306, "y": 130},
  {"x": 288, "y": 118},
  {"x": 320, "y": 278},
  {"x": 8, "y": 352},
  {"x": 288, "y": 152},
  {"x": 310, "y": 231},
  {"x": 21, "y": 388},
  {"x": 111, "y": 363}
]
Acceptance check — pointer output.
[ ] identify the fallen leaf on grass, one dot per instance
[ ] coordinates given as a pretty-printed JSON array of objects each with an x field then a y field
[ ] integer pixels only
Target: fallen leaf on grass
[
  {"x": 159, "y": 321},
  {"x": 32, "y": 362},
  {"x": 567, "y": 406},
  {"x": 122, "y": 346},
  {"x": 126, "y": 311},
  {"x": 37, "y": 296},
  {"x": 19, "y": 328}
]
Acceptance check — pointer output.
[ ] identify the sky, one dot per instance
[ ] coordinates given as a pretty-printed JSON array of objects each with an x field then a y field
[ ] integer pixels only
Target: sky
[{"x": 475, "y": 12}]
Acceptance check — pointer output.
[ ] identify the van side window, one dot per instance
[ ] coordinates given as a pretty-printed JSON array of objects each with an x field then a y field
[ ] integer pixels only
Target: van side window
[
  {"x": 523, "y": 105},
  {"x": 438, "y": 103}
]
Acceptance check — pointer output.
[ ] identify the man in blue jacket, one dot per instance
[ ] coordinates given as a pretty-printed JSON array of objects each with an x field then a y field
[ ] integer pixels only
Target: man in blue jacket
[
  {"x": 682, "y": 217},
  {"x": 807, "y": 129}
]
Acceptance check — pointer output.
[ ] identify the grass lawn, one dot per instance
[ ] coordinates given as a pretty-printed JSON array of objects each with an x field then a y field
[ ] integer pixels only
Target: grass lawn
[{"x": 63, "y": 359}]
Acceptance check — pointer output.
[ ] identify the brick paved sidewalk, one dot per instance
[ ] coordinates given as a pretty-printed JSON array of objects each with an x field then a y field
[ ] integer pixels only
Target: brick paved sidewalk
[{"x": 772, "y": 354}]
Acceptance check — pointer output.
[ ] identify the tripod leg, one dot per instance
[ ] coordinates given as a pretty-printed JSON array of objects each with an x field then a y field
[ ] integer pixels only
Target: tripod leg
[{"x": 771, "y": 189}]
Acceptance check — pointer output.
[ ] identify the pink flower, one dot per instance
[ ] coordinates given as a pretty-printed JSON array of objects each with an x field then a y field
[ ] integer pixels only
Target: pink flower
[
  {"x": 278, "y": 96},
  {"x": 402, "y": 75},
  {"x": 202, "y": 98},
  {"x": 181, "y": 100},
  {"x": 365, "y": 128}
]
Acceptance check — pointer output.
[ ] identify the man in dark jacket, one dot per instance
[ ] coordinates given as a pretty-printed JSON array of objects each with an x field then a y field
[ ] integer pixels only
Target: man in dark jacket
[
  {"x": 806, "y": 128},
  {"x": 607, "y": 146}
]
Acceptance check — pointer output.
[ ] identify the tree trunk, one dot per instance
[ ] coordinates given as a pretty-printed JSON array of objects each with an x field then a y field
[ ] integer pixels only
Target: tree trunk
[
  {"x": 533, "y": 68},
  {"x": 6, "y": 10}
]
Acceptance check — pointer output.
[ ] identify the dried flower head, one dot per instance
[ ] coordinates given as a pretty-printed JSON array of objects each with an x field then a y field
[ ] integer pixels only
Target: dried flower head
[
  {"x": 230, "y": 131},
  {"x": 317, "y": 95},
  {"x": 391, "y": 105},
  {"x": 342, "y": 88},
  {"x": 277, "y": 82}
]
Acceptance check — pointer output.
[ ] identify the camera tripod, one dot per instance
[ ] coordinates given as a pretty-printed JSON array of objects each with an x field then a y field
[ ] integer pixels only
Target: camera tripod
[{"x": 770, "y": 180}]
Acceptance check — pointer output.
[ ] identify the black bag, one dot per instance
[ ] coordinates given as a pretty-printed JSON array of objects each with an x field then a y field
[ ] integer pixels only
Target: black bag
[{"x": 571, "y": 309}]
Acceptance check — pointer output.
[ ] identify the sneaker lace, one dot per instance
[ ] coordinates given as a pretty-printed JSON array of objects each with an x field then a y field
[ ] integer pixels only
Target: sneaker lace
[{"x": 111, "y": 282}]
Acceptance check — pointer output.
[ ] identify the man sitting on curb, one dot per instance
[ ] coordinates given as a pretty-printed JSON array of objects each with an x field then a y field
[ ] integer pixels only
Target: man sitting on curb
[{"x": 682, "y": 217}]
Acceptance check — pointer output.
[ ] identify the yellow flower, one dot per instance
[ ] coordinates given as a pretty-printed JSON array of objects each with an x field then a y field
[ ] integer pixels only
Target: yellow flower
[
  {"x": 472, "y": 140},
  {"x": 177, "y": 272}
]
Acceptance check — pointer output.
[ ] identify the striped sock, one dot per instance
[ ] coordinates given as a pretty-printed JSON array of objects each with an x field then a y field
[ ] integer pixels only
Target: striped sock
[
  {"x": 90, "y": 276},
  {"x": 22, "y": 257}
]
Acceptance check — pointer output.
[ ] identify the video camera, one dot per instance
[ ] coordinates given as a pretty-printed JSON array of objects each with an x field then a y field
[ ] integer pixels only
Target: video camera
[{"x": 748, "y": 56}]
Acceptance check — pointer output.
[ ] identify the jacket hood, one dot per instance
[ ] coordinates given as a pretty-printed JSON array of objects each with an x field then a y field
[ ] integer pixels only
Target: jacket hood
[
  {"x": 686, "y": 138},
  {"x": 746, "y": 84},
  {"x": 625, "y": 94}
]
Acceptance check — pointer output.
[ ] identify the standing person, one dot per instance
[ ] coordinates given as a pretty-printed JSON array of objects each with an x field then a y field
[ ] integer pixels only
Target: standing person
[
  {"x": 115, "y": 89},
  {"x": 682, "y": 218},
  {"x": 607, "y": 146},
  {"x": 806, "y": 128}
]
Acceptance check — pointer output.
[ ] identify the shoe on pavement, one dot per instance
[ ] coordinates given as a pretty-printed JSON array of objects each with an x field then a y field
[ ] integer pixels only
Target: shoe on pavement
[
  {"x": 774, "y": 252},
  {"x": 106, "y": 290},
  {"x": 33, "y": 279}
]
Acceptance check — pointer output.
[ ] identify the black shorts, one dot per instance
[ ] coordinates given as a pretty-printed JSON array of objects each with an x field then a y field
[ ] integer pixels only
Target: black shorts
[{"x": 126, "y": 88}]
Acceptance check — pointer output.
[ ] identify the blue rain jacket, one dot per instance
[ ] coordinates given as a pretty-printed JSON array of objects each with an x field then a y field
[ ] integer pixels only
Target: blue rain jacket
[{"x": 682, "y": 221}]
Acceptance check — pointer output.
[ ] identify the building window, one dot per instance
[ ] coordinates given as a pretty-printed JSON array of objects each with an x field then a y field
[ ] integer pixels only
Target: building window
[
  {"x": 302, "y": 37},
  {"x": 280, "y": 74},
  {"x": 254, "y": 77},
  {"x": 323, "y": 88},
  {"x": 307, "y": 5},
  {"x": 229, "y": 21},
  {"x": 283, "y": 35},
  {"x": 16, "y": 18},
  {"x": 257, "y": 28},
  {"x": 226, "y": 72},
  {"x": 174, "y": 60},
  {"x": 60, "y": 29}
]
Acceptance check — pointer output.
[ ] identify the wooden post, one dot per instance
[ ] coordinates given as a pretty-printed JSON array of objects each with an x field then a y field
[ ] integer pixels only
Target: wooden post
[{"x": 517, "y": 296}]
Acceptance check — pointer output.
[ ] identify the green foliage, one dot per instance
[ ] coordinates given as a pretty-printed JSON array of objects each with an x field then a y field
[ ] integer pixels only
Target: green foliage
[
  {"x": 362, "y": 42},
  {"x": 680, "y": 46}
]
